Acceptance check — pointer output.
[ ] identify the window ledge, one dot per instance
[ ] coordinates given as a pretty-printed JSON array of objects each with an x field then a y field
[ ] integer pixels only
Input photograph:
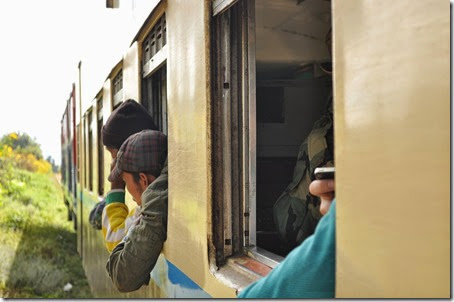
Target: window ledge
[{"x": 240, "y": 271}]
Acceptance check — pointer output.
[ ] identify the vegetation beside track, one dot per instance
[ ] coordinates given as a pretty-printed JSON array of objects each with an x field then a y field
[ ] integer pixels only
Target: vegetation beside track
[{"x": 38, "y": 243}]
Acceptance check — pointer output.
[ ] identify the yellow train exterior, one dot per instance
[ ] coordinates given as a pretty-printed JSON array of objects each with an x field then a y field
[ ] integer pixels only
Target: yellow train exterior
[{"x": 225, "y": 80}]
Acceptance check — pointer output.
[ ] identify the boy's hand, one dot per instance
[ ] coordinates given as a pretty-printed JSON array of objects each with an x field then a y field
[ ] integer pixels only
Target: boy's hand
[
  {"x": 325, "y": 190},
  {"x": 117, "y": 183}
]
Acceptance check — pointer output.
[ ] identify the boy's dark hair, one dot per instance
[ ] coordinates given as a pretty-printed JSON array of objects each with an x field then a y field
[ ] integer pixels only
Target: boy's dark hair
[
  {"x": 136, "y": 176},
  {"x": 129, "y": 118}
]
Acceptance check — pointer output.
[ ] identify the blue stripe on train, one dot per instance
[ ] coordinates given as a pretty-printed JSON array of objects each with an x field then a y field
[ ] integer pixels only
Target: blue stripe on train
[
  {"x": 178, "y": 277},
  {"x": 175, "y": 284}
]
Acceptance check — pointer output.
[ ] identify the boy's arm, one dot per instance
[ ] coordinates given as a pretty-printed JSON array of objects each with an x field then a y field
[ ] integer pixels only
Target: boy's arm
[
  {"x": 116, "y": 219},
  {"x": 132, "y": 260}
]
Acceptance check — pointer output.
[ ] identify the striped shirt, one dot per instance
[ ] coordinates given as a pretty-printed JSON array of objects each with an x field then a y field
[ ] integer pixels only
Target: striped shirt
[{"x": 117, "y": 218}]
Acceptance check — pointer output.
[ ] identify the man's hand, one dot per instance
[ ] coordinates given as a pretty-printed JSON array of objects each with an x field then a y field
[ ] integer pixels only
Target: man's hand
[
  {"x": 117, "y": 183},
  {"x": 325, "y": 190}
]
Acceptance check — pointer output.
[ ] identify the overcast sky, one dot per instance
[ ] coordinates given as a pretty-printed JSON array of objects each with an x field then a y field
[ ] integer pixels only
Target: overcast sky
[{"x": 42, "y": 43}]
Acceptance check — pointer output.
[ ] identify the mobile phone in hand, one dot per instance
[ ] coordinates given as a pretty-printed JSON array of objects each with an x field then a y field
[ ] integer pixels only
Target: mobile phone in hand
[{"x": 324, "y": 173}]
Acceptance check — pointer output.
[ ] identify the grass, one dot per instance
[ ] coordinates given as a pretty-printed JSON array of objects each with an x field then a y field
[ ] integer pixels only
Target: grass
[{"x": 38, "y": 245}]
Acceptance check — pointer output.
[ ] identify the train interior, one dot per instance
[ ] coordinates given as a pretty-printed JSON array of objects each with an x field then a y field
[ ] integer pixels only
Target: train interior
[{"x": 293, "y": 82}]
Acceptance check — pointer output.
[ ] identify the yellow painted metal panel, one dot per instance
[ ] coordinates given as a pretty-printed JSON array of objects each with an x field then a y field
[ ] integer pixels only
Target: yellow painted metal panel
[
  {"x": 189, "y": 143},
  {"x": 131, "y": 73},
  {"x": 392, "y": 121}
]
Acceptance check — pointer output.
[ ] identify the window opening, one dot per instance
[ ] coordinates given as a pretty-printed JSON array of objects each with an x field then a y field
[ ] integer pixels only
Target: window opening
[
  {"x": 292, "y": 94},
  {"x": 78, "y": 152},
  {"x": 100, "y": 150},
  {"x": 271, "y": 86},
  {"x": 118, "y": 88},
  {"x": 63, "y": 149},
  {"x": 86, "y": 160},
  {"x": 90, "y": 151},
  {"x": 69, "y": 144},
  {"x": 154, "y": 71},
  {"x": 154, "y": 97}
]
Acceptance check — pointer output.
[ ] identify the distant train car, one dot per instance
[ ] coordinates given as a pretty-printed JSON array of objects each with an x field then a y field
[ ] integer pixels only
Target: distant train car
[
  {"x": 237, "y": 86},
  {"x": 68, "y": 157}
]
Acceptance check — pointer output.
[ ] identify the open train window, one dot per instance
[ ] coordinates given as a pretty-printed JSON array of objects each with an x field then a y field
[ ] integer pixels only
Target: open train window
[
  {"x": 90, "y": 150},
  {"x": 100, "y": 148},
  {"x": 268, "y": 90},
  {"x": 68, "y": 134},
  {"x": 78, "y": 151},
  {"x": 154, "y": 73},
  {"x": 118, "y": 89},
  {"x": 290, "y": 46}
]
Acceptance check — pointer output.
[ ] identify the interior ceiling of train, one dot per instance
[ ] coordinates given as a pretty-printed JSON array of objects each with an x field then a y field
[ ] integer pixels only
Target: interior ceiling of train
[{"x": 291, "y": 34}]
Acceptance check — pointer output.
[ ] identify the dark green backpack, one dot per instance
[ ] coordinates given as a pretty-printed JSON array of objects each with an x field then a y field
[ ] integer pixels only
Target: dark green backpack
[{"x": 296, "y": 212}]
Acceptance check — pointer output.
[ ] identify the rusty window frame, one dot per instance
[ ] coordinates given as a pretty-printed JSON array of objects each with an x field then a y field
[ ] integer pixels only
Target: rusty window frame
[{"x": 234, "y": 136}]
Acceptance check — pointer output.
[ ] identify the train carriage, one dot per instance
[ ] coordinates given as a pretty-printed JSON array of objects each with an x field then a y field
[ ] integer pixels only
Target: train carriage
[
  {"x": 236, "y": 85},
  {"x": 68, "y": 156}
]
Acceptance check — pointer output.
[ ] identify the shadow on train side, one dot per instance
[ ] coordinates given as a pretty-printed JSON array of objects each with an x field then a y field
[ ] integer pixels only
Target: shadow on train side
[{"x": 45, "y": 261}]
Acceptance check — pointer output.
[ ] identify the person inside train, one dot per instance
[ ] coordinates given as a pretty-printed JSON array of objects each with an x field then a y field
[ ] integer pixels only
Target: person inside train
[
  {"x": 129, "y": 118},
  {"x": 141, "y": 164},
  {"x": 309, "y": 270},
  {"x": 296, "y": 212}
]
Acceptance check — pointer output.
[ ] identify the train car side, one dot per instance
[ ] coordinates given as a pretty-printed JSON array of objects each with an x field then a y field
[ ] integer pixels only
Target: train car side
[{"x": 237, "y": 85}]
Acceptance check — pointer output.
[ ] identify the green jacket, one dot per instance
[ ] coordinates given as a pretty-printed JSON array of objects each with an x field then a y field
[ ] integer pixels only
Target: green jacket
[
  {"x": 132, "y": 260},
  {"x": 296, "y": 212}
]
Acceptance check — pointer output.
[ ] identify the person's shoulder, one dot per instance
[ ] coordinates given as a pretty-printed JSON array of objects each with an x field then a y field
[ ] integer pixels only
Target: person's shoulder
[
  {"x": 158, "y": 188},
  {"x": 160, "y": 183}
]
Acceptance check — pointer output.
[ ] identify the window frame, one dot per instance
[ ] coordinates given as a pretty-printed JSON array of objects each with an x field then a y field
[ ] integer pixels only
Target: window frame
[
  {"x": 237, "y": 221},
  {"x": 154, "y": 74},
  {"x": 151, "y": 59}
]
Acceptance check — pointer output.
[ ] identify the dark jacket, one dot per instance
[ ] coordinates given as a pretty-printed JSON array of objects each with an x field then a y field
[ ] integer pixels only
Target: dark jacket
[{"x": 132, "y": 260}]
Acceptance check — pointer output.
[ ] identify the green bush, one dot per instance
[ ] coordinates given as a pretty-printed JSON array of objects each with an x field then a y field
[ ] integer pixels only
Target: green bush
[{"x": 38, "y": 244}]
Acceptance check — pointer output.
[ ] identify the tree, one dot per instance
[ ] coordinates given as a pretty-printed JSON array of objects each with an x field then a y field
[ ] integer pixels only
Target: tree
[
  {"x": 52, "y": 162},
  {"x": 22, "y": 143}
]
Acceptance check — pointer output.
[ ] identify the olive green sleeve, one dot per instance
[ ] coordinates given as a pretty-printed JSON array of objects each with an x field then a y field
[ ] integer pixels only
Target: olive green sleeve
[{"x": 132, "y": 260}]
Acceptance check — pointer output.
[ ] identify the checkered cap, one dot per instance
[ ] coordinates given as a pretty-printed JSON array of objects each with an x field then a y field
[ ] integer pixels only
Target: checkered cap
[{"x": 144, "y": 151}]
